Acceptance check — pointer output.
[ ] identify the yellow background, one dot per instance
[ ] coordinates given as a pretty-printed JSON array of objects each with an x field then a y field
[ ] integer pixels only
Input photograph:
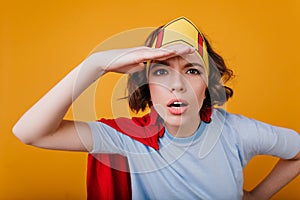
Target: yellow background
[{"x": 41, "y": 41}]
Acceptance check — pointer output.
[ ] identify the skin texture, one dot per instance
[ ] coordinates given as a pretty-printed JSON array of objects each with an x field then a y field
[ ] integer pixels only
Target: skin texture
[
  {"x": 53, "y": 132},
  {"x": 181, "y": 78},
  {"x": 56, "y": 133}
]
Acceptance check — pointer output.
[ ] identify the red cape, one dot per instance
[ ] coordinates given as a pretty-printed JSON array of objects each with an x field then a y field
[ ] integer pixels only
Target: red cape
[{"x": 105, "y": 182}]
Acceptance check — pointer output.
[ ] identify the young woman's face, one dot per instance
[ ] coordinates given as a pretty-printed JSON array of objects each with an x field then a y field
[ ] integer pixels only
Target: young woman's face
[{"x": 177, "y": 87}]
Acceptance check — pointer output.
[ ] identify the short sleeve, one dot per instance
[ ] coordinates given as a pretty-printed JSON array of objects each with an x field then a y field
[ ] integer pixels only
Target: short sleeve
[
  {"x": 106, "y": 139},
  {"x": 258, "y": 138}
]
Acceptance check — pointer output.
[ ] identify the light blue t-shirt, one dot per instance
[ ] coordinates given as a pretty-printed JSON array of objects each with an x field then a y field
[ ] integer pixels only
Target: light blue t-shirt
[{"x": 207, "y": 165}]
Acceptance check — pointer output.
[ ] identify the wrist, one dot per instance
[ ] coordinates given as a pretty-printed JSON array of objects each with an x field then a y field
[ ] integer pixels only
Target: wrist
[{"x": 96, "y": 62}]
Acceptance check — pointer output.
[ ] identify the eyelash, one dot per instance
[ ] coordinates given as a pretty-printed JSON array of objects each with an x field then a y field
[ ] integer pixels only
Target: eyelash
[
  {"x": 161, "y": 72},
  {"x": 193, "y": 71}
]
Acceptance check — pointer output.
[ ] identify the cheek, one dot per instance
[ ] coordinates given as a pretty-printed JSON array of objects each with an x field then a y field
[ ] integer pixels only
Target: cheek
[
  {"x": 158, "y": 95},
  {"x": 155, "y": 92},
  {"x": 200, "y": 95},
  {"x": 199, "y": 92}
]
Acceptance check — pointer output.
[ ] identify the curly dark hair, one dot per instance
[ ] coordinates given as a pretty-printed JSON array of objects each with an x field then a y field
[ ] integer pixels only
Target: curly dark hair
[{"x": 216, "y": 94}]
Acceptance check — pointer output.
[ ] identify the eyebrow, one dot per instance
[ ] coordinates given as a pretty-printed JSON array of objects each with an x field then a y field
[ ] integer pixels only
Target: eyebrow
[
  {"x": 165, "y": 63},
  {"x": 159, "y": 63},
  {"x": 194, "y": 64}
]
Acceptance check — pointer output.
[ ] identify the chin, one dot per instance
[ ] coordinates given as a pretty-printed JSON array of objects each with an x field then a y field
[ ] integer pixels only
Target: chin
[{"x": 176, "y": 120}]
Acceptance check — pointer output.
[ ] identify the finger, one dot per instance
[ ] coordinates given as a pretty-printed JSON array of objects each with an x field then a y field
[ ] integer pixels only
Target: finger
[
  {"x": 148, "y": 54},
  {"x": 161, "y": 52},
  {"x": 165, "y": 57},
  {"x": 179, "y": 52},
  {"x": 185, "y": 50},
  {"x": 155, "y": 54},
  {"x": 181, "y": 49}
]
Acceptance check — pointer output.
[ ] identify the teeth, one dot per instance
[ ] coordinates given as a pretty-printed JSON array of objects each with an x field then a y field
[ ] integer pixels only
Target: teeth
[{"x": 177, "y": 104}]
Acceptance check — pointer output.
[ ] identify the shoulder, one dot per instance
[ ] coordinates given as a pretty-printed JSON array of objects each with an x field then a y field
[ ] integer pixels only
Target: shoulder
[
  {"x": 241, "y": 124},
  {"x": 250, "y": 127},
  {"x": 254, "y": 137},
  {"x": 243, "y": 130},
  {"x": 232, "y": 122}
]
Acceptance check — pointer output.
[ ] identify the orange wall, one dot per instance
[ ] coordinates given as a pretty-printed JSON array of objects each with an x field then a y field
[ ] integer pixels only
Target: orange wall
[{"x": 41, "y": 41}]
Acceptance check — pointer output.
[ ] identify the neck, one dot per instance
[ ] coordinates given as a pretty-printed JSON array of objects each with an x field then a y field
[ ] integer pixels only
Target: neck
[{"x": 183, "y": 130}]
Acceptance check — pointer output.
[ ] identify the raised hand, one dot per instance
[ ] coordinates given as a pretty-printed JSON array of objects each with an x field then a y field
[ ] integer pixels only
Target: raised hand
[
  {"x": 53, "y": 132},
  {"x": 132, "y": 60}
]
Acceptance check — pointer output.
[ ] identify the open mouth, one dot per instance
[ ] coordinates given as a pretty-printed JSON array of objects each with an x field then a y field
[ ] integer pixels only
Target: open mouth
[
  {"x": 177, "y": 107},
  {"x": 177, "y": 104}
]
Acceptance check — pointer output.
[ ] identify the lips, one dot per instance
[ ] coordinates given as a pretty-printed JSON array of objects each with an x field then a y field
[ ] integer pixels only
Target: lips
[{"x": 177, "y": 106}]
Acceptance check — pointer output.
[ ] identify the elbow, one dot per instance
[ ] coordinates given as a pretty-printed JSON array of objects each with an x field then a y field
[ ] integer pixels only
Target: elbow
[
  {"x": 297, "y": 157},
  {"x": 22, "y": 135}
]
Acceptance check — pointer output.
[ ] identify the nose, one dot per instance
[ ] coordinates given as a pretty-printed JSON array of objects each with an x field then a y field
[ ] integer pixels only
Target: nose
[{"x": 177, "y": 83}]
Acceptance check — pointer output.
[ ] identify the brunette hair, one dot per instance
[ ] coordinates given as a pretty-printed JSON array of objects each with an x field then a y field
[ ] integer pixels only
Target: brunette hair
[{"x": 216, "y": 94}]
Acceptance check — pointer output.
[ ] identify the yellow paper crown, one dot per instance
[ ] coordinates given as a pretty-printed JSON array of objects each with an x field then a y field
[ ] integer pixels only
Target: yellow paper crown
[{"x": 182, "y": 30}]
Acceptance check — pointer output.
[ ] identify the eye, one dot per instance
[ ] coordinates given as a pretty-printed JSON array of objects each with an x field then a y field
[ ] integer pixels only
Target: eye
[
  {"x": 160, "y": 72},
  {"x": 193, "y": 71}
]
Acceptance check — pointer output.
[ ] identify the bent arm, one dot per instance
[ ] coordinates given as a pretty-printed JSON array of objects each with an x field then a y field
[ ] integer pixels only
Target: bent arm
[
  {"x": 258, "y": 138},
  {"x": 283, "y": 172},
  {"x": 43, "y": 124}
]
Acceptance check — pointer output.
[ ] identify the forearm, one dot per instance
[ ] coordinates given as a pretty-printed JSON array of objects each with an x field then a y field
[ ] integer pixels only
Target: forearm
[
  {"x": 46, "y": 115},
  {"x": 281, "y": 175}
]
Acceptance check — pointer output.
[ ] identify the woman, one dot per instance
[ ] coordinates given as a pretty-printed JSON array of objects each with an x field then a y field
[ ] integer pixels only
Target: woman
[{"x": 184, "y": 148}]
